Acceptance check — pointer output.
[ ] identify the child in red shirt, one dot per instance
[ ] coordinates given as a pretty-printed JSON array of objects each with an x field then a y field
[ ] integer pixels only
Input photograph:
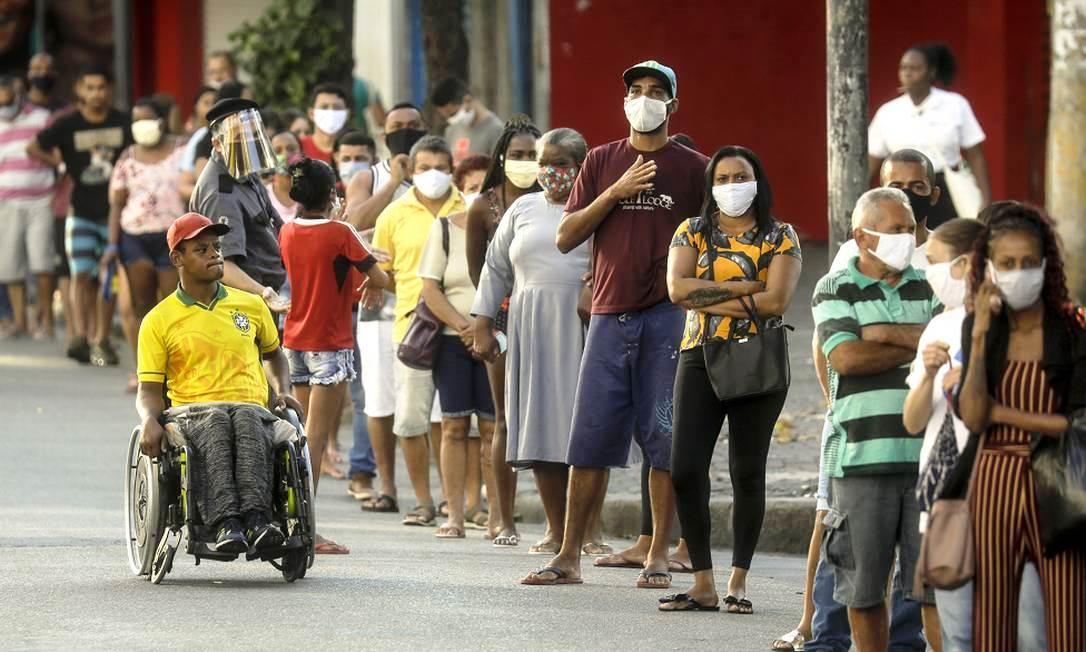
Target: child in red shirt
[{"x": 326, "y": 263}]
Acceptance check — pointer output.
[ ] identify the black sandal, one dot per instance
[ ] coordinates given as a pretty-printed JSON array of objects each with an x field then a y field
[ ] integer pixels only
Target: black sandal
[
  {"x": 686, "y": 603},
  {"x": 383, "y": 503},
  {"x": 743, "y": 606}
]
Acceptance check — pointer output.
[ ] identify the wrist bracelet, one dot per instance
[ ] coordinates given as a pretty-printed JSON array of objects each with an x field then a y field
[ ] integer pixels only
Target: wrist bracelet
[{"x": 112, "y": 248}]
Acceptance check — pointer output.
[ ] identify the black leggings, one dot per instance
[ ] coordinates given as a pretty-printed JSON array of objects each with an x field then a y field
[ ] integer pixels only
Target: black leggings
[{"x": 699, "y": 417}]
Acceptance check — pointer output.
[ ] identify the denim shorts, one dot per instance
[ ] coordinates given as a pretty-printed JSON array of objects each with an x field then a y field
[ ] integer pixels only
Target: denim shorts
[
  {"x": 462, "y": 384},
  {"x": 145, "y": 246},
  {"x": 625, "y": 388},
  {"x": 321, "y": 367},
  {"x": 873, "y": 516}
]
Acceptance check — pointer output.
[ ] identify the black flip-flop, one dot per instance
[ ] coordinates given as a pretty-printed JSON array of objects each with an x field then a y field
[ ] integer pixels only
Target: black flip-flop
[
  {"x": 744, "y": 605},
  {"x": 382, "y": 504},
  {"x": 689, "y": 604},
  {"x": 560, "y": 577}
]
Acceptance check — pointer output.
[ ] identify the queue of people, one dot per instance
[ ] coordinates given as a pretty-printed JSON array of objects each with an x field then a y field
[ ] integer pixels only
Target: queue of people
[{"x": 580, "y": 301}]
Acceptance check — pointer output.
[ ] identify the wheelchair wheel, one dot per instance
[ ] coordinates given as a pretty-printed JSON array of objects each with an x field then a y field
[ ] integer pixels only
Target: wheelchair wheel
[
  {"x": 311, "y": 516},
  {"x": 295, "y": 564},
  {"x": 145, "y": 516}
]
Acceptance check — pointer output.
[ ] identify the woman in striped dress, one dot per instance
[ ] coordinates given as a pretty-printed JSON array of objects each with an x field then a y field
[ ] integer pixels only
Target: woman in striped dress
[{"x": 1024, "y": 351}]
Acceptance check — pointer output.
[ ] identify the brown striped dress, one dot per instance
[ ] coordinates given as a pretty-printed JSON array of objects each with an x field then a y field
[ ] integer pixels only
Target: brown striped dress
[{"x": 1007, "y": 534}]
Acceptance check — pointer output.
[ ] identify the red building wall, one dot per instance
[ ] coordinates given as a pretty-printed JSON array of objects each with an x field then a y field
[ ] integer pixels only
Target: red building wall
[
  {"x": 167, "y": 50},
  {"x": 753, "y": 73}
]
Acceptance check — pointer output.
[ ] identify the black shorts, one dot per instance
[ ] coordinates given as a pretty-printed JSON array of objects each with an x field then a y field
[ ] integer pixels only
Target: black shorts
[{"x": 462, "y": 383}]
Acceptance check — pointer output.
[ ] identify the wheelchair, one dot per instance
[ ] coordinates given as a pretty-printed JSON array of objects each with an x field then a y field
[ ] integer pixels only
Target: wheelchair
[{"x": 161, "y": 509}]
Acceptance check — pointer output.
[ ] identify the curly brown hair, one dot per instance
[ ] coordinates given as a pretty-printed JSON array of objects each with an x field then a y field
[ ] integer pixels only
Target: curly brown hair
[{"x": 1005, "y": 217}]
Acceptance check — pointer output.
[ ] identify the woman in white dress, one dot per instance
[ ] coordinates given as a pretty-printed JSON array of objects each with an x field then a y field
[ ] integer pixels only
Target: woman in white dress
[
  {"x": 937, "y": 122},
  {"x": 545, "y": 332}
]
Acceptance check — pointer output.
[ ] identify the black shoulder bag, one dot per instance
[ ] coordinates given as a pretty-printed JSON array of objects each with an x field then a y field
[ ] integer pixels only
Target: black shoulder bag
[
  {"x": 419, "y": 347},
  {"x": 749, "y": 366}
]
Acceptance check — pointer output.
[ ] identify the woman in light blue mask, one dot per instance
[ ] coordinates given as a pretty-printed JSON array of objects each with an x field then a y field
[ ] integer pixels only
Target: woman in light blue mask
[{"x": 1024, "y": 374}]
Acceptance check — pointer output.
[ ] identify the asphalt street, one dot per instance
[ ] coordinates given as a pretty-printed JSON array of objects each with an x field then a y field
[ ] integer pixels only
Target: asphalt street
[{"x": 65, "y": 582}]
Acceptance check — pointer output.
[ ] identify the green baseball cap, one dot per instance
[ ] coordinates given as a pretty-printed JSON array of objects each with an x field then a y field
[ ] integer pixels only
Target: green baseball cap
[{"x": 652, "y": 68}]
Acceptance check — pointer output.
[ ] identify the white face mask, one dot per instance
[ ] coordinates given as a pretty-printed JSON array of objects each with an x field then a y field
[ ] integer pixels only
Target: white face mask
[
  {"x": 733, "y": 199},
  {"x": 470, "y": 198},
  {"x": 462, "y": 117},
  {"x": 1021, "y": 288},
  {"x": 949, "y": 290},
  {"x": 147, "y": 132},
  {"x": 522, "y": 173},
  {"x": 433, "y": 183},
  {"x": 351, "y": 168},
  {"x": 645, "y": 114},
  {"x": 895, "y": 249},
  {"x": 330, "y": 121}
]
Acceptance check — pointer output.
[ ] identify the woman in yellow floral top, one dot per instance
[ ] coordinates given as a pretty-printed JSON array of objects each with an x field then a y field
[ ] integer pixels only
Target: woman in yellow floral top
[{"x": 757, "y": 258}]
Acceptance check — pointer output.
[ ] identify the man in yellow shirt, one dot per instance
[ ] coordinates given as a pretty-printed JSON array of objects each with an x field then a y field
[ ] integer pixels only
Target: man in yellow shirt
[
  {"x": 402, "y": 230},
  {"x": 203, "y": 345}
]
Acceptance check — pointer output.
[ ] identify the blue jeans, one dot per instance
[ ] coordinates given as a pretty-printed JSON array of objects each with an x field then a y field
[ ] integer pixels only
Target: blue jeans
[
  {"x": 831, "y": 631},
  {"x": 956, "y": 615},
  {"x": 5, "y": 304},
  {"x": 361, "y": 455}
]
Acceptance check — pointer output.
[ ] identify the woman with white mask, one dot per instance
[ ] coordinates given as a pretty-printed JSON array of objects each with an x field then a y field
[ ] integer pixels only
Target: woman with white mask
[
  {"x": 732, "y": 263},
  {"x": 144, "y": 200},
  {"x": 513, "y": 172},
  {"x": 934, "y": 374},
  {"x": 1024, "y": 360}
]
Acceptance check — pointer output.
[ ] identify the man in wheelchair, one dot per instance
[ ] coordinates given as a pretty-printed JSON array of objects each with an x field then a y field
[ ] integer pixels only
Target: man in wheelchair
[{"x": 203, "y": 345}]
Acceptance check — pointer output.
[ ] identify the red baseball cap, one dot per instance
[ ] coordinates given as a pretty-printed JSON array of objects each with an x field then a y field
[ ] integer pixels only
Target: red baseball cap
[{"x": 189, "y": 226}]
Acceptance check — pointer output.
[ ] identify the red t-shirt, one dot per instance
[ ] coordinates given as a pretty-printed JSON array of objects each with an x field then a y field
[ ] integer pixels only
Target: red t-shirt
[
  {"x": 310, "y": 149},
  {"x": 629, "y": 251},
  {"x": 323, "y": 259}
]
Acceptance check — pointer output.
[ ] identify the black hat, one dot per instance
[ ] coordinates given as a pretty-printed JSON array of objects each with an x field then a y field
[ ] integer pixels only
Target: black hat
[{"x": 229, "y": 106}]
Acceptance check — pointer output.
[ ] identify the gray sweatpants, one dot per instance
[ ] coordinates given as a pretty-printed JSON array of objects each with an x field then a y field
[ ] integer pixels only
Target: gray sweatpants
[{"x": 232, "y": 446}]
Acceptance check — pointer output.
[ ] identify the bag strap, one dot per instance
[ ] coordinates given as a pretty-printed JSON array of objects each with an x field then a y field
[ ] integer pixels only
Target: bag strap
[
  {"x": 752, "y": 309},
  {"x": 976, "y": 464},
  {"x": 445, "y": 246}
]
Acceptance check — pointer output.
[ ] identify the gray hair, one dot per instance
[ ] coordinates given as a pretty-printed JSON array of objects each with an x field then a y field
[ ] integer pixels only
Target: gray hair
[
  {"x": 567, "y": 139},
  {"x": 869, "y": 201},
  {"x": 431, "y": 143},
  {"x": 908, "y": 156}
]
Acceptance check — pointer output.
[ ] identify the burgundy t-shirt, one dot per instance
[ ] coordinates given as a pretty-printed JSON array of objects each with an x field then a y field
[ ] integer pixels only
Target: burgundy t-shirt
[{"x": 629, "y": 252}]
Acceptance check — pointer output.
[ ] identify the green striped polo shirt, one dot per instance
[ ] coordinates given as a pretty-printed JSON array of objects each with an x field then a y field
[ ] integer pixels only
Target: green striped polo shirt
[{"x": 870, "y": 434}]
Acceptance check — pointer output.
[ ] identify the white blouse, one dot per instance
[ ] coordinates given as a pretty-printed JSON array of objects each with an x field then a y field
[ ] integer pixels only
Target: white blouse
[{"x": 941, "y": 127}]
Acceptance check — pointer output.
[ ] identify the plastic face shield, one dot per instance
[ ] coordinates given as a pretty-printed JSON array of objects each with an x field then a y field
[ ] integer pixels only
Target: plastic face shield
[{"x": 245, "y": 145}]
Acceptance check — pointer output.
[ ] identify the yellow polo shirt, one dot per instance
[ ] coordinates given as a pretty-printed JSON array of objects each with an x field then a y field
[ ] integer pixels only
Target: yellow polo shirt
[
  {"x": 208, "y": 353},
  {"x": 402, "y": 230}
]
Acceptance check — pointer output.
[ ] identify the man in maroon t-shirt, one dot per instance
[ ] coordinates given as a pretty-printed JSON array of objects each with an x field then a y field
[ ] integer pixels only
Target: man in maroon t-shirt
[{"x": 631, "y": 195}]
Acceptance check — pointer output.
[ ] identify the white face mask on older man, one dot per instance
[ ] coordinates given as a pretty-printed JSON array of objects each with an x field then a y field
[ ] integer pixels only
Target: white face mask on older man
[{"x": 894, "y": 249}]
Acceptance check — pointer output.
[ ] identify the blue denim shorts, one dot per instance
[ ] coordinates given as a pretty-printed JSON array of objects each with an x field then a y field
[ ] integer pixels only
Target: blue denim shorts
[
  {"x": 625, "y": 388},
  {"x": 321, "y": 367},
  {"x": 146, "y": 246}
]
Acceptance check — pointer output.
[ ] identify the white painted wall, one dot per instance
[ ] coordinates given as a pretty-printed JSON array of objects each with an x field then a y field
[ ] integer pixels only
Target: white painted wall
[{"x": 380, "y": 57}]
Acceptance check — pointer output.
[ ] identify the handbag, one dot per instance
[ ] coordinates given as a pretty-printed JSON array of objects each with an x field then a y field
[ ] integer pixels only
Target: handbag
[
  {"x": 1059, "y": 476},
  {"x": 947, "y": 559},
  {"x": 420, "y": 344},
  {"x": 964, "y": 191},
  {"x": 749, "y": 366}
]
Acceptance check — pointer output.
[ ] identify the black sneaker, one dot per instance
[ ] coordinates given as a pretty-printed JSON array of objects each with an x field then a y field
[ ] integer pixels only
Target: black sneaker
[
  {"x": 231, "y": 538},
  {"x": 262, "y": 534},
  {"x": 79, "y": 350},
  {"x": 102, "y": 354}
]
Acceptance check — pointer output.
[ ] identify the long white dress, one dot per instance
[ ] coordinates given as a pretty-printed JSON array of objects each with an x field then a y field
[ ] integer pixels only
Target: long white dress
[{"x": 546, "y": 336}]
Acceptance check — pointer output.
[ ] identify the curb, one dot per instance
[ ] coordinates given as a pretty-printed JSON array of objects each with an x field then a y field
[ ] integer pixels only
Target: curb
[{"x": 786, "y": 528}]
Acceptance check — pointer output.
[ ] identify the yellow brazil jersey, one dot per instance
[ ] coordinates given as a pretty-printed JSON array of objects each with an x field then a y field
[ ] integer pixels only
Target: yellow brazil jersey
[
  {"x": 208, "y": 353},
  {"x": 402, "y": 230},
  {"x": 741, "y": 257}
]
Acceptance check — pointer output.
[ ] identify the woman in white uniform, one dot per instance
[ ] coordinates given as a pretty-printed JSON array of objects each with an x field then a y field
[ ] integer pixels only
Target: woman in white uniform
[{"x": 937, "y": 122}]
